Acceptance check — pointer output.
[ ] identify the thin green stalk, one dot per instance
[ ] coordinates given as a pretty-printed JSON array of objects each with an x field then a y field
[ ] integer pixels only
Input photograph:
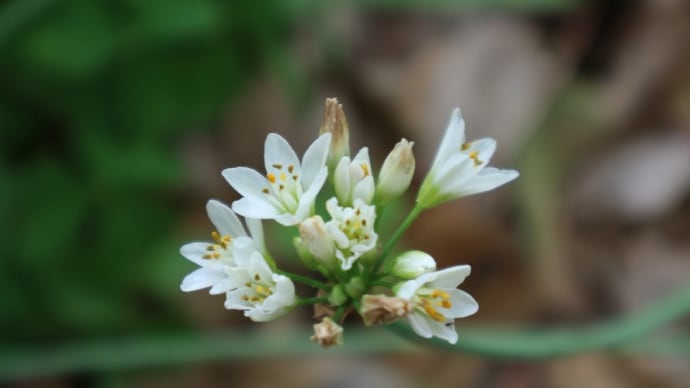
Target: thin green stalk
[
  {"x": 416, "y": 211},
  {"x": 628, "y": 334},
  {"x": 303, "y": 279}
]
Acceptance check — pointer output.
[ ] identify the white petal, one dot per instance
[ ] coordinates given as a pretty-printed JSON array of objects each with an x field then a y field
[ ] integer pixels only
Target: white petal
[
  {"x": 247, "y": 182},
  {"x": 314, "y": 159},
  {"x": 256, "y": 231},
  {"x": 443, "y": 330},
  {"x": 249, "y": 207},
  {"x": 195, "y": 252},
  {"x": 341, "y": 179},
  {"x": 420, "y": 325},
  {"x": 463, "y": 304},
  {"x": 485, "y": 149},
  {"x": 201, "y": 278},
  {"x": 407, "y": 289},
  {"x": 278, "y": 151},
  {"x": 451, "y": 277},
  {"x": 307, "y": 199},
  {"x": 487, "y": 179},
  {"x": 364, "y": 190},
  {"x": 224, "y": 219},
  {"x": 453, "y": 138}
]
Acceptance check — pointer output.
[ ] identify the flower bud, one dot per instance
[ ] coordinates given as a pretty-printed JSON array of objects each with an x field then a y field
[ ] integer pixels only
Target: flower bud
[
  {"x": 382, "y": 309},
  {"x": 328, "y": 333},
  {"x": 353, "y": 179},
  {"x": 334, "y": 122},
  {"x": 355, "y": 287},
  {"x": 412, "y": 264},
  {"x": 396, "y": 173},
  {"x": 337, "y": 296},
  {"x": 317, "y": 241}
]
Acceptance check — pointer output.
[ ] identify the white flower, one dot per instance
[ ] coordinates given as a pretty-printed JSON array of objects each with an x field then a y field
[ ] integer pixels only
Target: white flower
[
  {"x": 287, "y": 193},
  {"x": 353, "y": 179},
  {"x": 437, "y": 302},
  {"x": 352, "y": 228},
  {"x": 256, "y": 290},
  {"x": 396, "y": 173},
  {"x": 412, "y": 264},
  {"x": 215, "y": 259},
  {"x": 459, "y": 168}
]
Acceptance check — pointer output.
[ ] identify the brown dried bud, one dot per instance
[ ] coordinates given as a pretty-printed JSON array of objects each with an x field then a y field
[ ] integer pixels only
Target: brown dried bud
[
  {"x": 328, "y": 333},
  {"x": 381, "y": 309},
  {"x": 334, "y": 122}
]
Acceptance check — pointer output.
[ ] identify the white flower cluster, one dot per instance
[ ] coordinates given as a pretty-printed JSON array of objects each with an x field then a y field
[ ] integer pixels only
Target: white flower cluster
[{"x": 338, "y": 236}]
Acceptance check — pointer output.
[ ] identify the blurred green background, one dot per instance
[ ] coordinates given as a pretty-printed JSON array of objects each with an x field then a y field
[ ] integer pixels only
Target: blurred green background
[{"x": 116, "y": 118}]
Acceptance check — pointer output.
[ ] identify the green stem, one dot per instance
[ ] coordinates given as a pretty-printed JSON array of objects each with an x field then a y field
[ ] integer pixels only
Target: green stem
[
  {"x": 307, "y": 301},
  {"x": 416, "y": 211},
  {"x": 540, "y": 344},
  {"x": 303, "y": 279},
  {"x": 628, "y": 334},
  {"x": 339, "y": 313}
]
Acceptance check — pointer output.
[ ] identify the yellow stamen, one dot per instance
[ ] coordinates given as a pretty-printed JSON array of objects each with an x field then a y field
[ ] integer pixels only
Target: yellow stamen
[
  {"x": 271, "y": 177},
  {"x": 475, "y": 157},
  {"x": 283, "y": 176},
  {"x": 365, "y": 169}
]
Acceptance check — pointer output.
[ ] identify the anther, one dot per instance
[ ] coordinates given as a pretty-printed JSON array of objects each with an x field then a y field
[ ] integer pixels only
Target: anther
[
  {"x": 278, "y": 166},
  {"x": 271, "y": 177},
  {"x": 291, "y": 168}
]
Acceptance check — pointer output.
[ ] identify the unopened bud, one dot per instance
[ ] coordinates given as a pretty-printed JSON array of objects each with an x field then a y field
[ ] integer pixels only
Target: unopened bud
[
  {"x": 317, "y": 241},
  {"x": 328, "y": 333},
  {"x": 334, "y": 122},
  {"x": 396, "y": 173},
  {"x": 412, "y": 264},
  {"x": 382, "y": 309}
]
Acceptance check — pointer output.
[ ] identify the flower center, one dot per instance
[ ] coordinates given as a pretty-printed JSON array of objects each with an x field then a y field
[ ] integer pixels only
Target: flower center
[
  {"x": 474, "y": 155},
  {"x": 432, "y": 300},
  {"x": 258, "y": 290},
  {"x": 356, "y": 226},
  {"x": 215, "y": 251},
  {"x": 285, "y": 188}
]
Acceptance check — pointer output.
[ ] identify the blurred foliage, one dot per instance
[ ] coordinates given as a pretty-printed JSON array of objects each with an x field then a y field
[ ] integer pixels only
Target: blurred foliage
[{"x": 94, "y": 98}]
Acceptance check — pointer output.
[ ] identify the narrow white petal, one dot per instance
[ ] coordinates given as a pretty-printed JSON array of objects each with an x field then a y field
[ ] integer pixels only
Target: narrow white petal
[
  {"x": 252, "y": 208},
  {"x": 443, "y": 330},
  {"x": 485, "y": 149},
  {"x": 420, "y": 325},
  {"x": 408, "y": 289},
  {"x": 201, "y": 278},
  {"x": 463, "y": 304},
  {"x": 453, "y": 138},
  {"x": 309, "y": 196},
  {"x": 487, "y": 179},
  {"x": 364, "y": 190},
  {"x": 278, "y": 151},
  {"x": 314, "y": 159},
  {"x": 256, "y": 231},
  {"x": 451, "y": 277},
  {"x": 341, "y": 179},
  {"x": 247, "y": 182},
  {"x": 195, "y": 252},
  {"x": 224, "y": 219}
]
